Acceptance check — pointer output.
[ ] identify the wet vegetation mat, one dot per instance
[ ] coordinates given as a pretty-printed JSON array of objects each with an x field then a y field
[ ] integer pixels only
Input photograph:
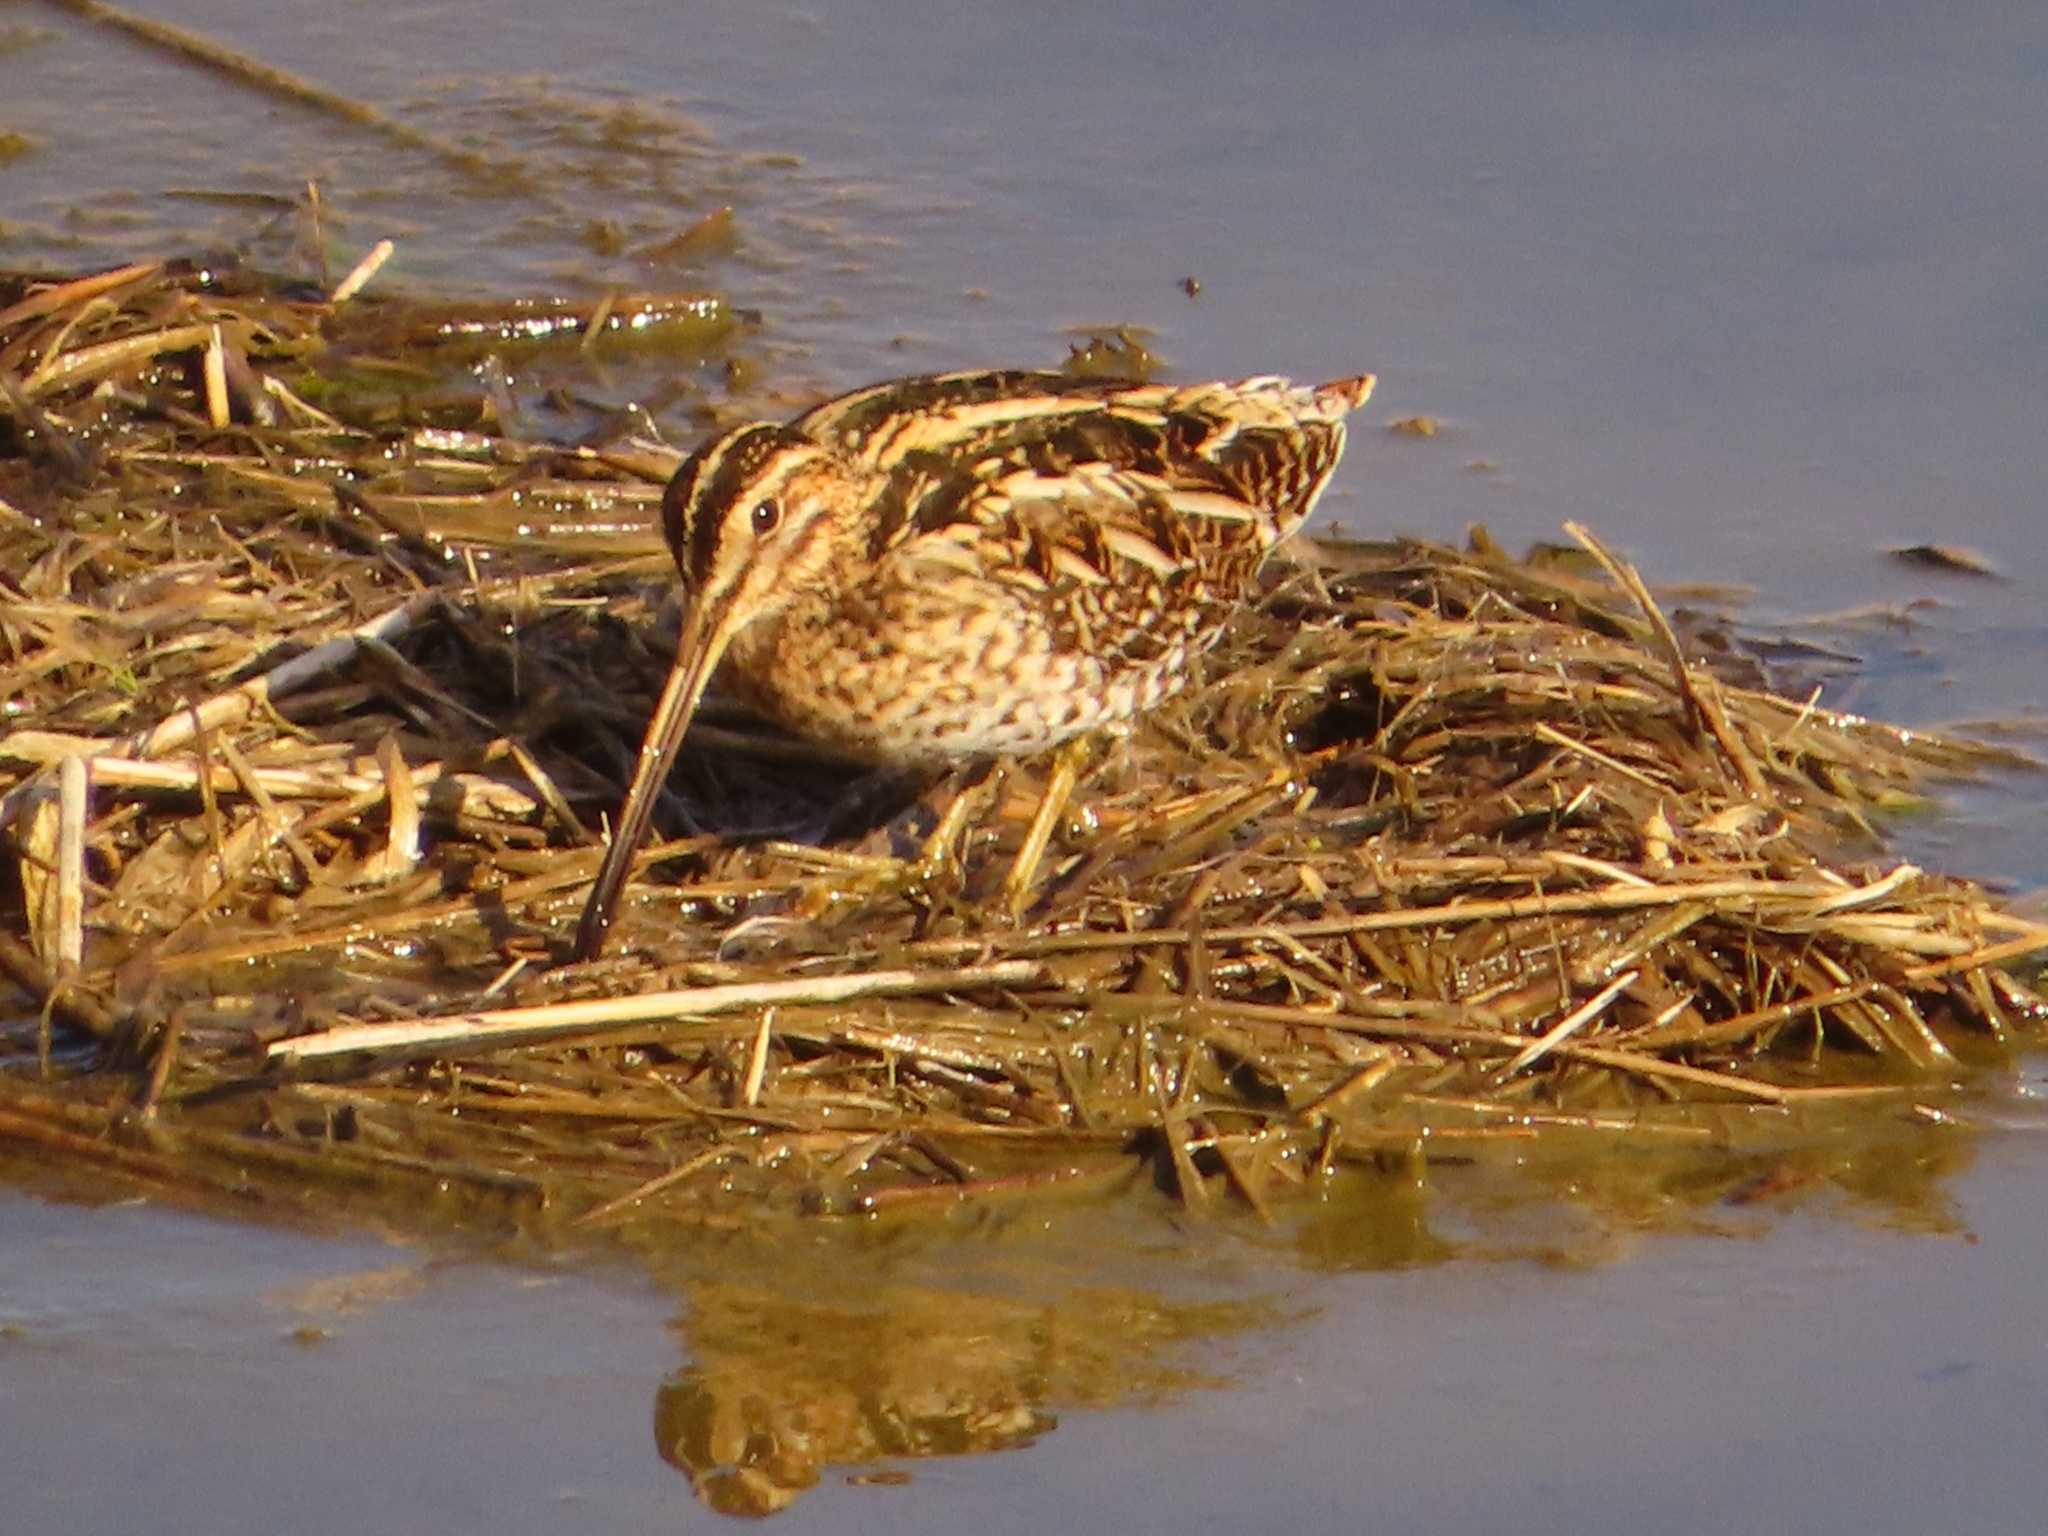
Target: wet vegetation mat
[{"x": 322, "y": 670}]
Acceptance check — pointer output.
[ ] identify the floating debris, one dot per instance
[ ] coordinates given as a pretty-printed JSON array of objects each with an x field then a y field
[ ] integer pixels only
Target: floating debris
[{"x": 1946, "y": 557}]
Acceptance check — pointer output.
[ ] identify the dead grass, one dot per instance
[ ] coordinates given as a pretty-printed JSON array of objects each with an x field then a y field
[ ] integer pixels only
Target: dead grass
[{"x": 319, "y": 682}]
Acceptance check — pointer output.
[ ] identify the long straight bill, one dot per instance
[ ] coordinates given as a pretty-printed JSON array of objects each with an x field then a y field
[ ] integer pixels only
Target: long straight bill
[{"x": 697, "y": 652}]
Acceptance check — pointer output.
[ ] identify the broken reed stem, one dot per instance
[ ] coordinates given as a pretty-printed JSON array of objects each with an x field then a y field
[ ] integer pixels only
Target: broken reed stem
[
  {"x": 360, "y": 274},
  {"x": 1569, "y": 1025},
  {"x": 526, "y": 1026},
  {"x": 87, "y": 365},
  {"x": 1673, "y": 1071},
  {"x": 71, "y": 797},
  {"x": 2031, "y": 939},
  {"x": 339, "y": 781},
  {"x": 598, "y": 1215},
  {"x": 1700, "y": 691},
  {"x": 287, "y": 677},
  {"x": 51, "y": 297},
  {"x": 1763, "y": 900},
  {"x": 221, "y": 711}
]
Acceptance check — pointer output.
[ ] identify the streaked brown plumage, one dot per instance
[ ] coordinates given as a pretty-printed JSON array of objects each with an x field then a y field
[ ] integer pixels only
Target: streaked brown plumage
[{"x": 943, "y": 568}]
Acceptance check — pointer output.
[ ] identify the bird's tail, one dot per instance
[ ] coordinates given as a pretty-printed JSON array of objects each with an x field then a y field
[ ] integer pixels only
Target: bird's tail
[{"x": 1341, "y": 395}]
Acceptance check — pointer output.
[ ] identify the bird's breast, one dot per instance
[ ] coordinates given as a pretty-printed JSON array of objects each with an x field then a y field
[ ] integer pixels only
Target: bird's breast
[{"x": 910, "y": 674}]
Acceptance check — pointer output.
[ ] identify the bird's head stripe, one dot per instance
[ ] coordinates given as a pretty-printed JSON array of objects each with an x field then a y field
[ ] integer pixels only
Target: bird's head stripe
[{"x": 710, "y": 481}]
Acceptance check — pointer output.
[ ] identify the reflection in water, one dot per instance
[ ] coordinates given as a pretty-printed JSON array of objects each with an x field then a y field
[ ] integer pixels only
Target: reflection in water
[
  {"x": 852, "y": 1344},
  {"x": 809, "y": 1346},
  {"x": 783, "y": 1387}
]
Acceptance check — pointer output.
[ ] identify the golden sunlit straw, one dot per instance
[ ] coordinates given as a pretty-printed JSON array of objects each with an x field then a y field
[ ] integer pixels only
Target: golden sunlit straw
[
  {"x": 308, "y": 728},
  {"x": 359, "y": 276},
  {"x": 508, "y": 1026}
]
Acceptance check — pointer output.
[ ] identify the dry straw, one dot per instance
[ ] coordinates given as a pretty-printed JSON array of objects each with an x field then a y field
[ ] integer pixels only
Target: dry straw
[{"x": 317, "y": 684}]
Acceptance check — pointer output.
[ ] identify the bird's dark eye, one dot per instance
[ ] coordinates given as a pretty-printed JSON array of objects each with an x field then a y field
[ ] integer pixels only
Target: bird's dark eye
[{"x": 766, "y": 515}]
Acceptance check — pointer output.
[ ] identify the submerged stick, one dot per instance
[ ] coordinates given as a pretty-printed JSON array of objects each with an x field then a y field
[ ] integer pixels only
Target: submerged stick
[
  {"x": 246, "y": 69},
  {"x": 22, "y": 966}
]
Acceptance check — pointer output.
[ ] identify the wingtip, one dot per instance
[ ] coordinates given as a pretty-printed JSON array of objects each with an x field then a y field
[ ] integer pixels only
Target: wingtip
[{"x": 1350, "y": 393}]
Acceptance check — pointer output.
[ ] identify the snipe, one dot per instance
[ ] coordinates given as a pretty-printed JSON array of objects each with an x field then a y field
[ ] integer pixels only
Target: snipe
[{"x": 943, "y": 568}]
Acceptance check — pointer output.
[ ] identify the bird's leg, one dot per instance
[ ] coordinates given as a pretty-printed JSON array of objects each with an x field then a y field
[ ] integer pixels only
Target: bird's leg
[
  {"x": 964, "y": 793},
  {"x": 1067, "y": 763}
]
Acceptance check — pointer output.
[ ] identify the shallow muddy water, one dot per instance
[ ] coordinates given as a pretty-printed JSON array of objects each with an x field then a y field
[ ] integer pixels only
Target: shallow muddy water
[
  {"x": 1851, "y": 1358},
  {"x": 1758, "y": 300}
]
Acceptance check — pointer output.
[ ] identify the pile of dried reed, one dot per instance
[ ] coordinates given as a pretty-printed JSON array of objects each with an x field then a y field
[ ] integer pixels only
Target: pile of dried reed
[{"x": 317, "y": 682}]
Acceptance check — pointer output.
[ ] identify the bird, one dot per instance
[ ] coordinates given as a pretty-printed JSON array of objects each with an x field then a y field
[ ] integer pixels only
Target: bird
[{"x": 957, "y": 566}]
